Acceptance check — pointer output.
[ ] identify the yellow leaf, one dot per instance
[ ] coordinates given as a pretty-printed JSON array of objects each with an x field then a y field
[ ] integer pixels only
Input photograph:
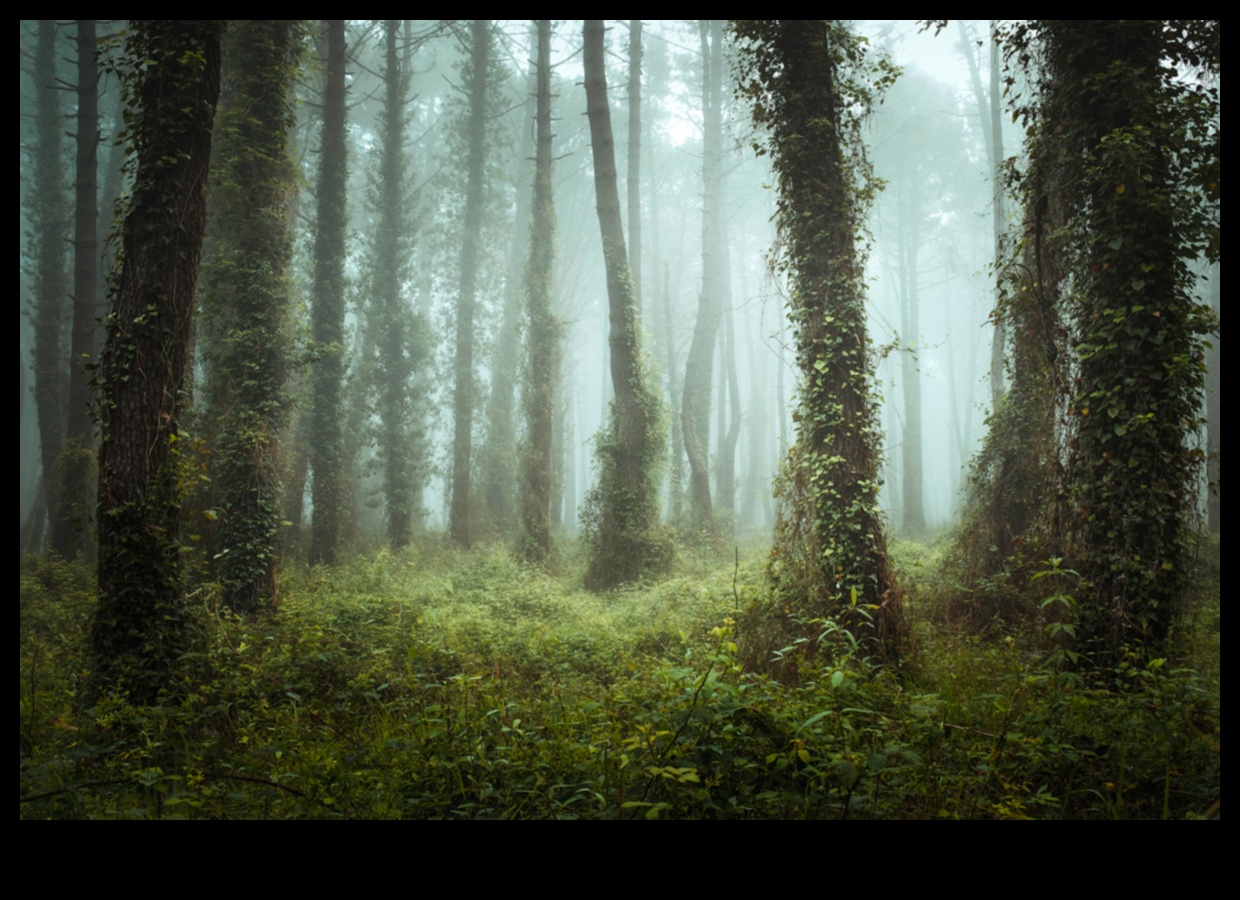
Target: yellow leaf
[{"x": 1119, "y": 189}]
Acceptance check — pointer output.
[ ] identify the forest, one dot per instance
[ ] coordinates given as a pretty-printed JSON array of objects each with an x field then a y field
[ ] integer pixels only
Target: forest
[{"x": 665, "y": 419}]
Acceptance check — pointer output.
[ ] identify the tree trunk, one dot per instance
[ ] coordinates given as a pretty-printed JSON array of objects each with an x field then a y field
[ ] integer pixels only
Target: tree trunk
[
  {"x": 695, "y": 408},
  {"x": 830, "y": 551},
  {"x": 460, "y": 525},
  {"x": 69, "y": 530},
  {"x": 247, "y": 295},
  {"x": 635, "y": 145},
  {"x": 47, "y": 216},
  {"x": 140, "y": 629},
  {"x": 543, "y": 373},
  {"x": 327, "y": 455},
  {"x": 1214, "y": 410},
  {"x": 625, "y": 542}
]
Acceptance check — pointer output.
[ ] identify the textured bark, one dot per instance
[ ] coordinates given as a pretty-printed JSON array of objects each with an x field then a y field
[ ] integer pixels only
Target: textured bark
[
  {"x": 327, "y": 456},
  {"x": 1214, "y": 412},
  {"x": 140, "y": 628},
  {"x": 247, "y": 298}
]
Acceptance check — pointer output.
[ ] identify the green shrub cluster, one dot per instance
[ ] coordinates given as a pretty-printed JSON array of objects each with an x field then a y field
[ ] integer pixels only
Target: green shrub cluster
[{"x": 441, "y": 683}]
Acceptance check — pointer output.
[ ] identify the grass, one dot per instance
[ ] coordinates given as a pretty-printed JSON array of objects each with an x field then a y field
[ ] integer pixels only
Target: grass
[{"x": 436, "y": 683}]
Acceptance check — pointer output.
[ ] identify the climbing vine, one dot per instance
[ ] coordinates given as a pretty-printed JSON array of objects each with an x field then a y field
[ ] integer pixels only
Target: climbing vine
[{"x": 811, "y": 85}]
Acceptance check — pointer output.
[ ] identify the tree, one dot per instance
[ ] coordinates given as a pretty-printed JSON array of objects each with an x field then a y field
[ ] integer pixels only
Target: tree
[
  {"x": 74, "y": 465},
  {"x": 625, "y": 541},
  {"x": 140, "y": 629},
  {"x": 1134, "y": 149},
  {"x": 46, "y": 251},
  {"x": 543, "y": 371},
  {"x": 809, "y": 83},
  {"x": 396, "y": 334},
  {"x": 326, "y": 434},
  {"x": 246, "y": 295},
  {"x": 695, "y": 408}
]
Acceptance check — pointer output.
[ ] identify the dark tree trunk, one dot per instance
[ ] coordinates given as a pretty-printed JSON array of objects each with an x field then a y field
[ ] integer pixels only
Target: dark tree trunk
[
  {"x": 47, "y": 215},
  {"x": 69, "y": 530},
  {"x": 248, "y": 299},
  {"x": 327, "y": 456},
  {"x": 1214, "y": 411},
  {"x": 625, "y": 543},
  {"x": 140, "y": 629}
]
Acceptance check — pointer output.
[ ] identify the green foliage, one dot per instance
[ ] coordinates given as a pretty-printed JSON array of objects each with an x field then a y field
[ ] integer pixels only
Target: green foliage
[
  {"x": 811, "y": 86},
  {"x": 1124, "y": 153},
  {"x": 438, "y": 683},
  {"x": 246, "y": 301}
]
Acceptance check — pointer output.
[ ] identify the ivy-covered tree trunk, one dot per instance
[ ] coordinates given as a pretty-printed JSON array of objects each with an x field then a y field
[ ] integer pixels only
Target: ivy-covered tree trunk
[
  {"x": 48, "y": 215},
  {"x": 543, "y": 372},
  {"x": 463, "y": 368},
  {"x": 70, "y": 528},
  {"x": 246, "y": 294},
  {"x": 327, "y": 455},
  {"x": 830, "y": 552},
  {"x": 140, "y": 630},
  {"x": 1214, "y": 409},
  {"x": 1137, "y": 162},
  {"x": 625, "y": 541}
]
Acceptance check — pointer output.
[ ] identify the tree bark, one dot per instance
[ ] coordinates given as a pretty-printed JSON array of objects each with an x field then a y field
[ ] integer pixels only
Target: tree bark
[
  {"x": 327, "y": 457},
  {"x": 140, "y": 629},
  {"x": 625, "y": 545}
]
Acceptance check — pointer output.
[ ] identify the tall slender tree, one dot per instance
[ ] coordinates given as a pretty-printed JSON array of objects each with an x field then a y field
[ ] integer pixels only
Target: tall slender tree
[
  {"x": 48, "y": 217},
  {"x": 463, "y": 365},
  {"x": 830, "y": 552},
  {"x": 695, "y": 408},
  {"x": 140, "y": 629},
  {"x": 327, "y": 439},
  {"x": 69, "y": 529},
  {"x": 625, "y": 540},
  {"x": 543, "y": 370}
]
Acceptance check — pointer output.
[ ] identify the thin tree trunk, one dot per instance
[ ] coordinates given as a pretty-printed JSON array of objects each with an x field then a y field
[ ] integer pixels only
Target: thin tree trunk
[
  {"x": 543, "y": 374},
  {"x": 626, "y": 545},
  {"x": 635, "y": 146},
  {"x": 77, "y": 459},
  {"x": 327, "y": 452},
  {"x": 460, "y": 525}
]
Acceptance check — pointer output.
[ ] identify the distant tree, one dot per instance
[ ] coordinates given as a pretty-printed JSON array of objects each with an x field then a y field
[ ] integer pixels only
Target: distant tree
[
  {"x": 140, "y": 629},
  {"x": 397, "y": 336},
  {"x": 463, "y": 365},
  {"x": 830, "y": 552},
  {"x": 69, "y": 530},
  {"x": 543, "y": 370},
  {"x": 327, "y": 311},
  {"x": 695, "y": 408},
  {"x": 46, "y": 255},
  {"x": 246, "y": 295},
  {"x": 624, "y": 536}
]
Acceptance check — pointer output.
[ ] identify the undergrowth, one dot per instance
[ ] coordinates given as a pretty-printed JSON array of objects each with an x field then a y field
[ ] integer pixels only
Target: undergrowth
[{"x": 439, "y": 683}]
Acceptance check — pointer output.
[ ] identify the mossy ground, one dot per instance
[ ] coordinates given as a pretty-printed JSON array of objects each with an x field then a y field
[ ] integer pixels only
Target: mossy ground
[{"x": 438, "y": 683}]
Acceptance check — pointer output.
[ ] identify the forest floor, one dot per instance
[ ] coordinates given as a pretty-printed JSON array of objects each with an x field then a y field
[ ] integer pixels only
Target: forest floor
[{"x": 436, "y": 683}]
